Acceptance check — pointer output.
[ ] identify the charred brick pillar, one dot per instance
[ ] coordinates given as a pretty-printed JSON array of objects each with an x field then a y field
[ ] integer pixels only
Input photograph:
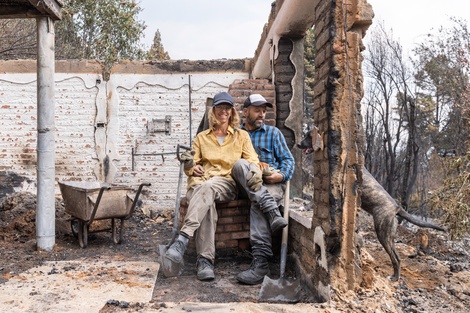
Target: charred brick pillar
[{"x": 338, "y": 168}]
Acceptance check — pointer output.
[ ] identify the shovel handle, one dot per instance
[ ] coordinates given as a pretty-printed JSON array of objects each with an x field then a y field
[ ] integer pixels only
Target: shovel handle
[
  {"x": 285, "y": 230},
  {"x": 175, "y": 229}
]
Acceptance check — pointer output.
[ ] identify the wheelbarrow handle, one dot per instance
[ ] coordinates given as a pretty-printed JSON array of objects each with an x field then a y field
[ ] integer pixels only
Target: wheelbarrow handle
[
  {"x": 178, "y": 146},
  {"x": 136, "y": 198},
  {"x": 97, "y": 203}
]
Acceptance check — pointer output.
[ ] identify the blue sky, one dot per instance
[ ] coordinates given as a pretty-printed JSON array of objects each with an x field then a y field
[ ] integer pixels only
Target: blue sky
[{"x": 214, "y": 29}]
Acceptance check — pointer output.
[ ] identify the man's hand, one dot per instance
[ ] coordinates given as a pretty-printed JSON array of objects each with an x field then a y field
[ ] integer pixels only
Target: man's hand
[
  {"x": 274, "y": 178},
  {"x": 254, "y": 179},
  {"x": 188, "y": 158}
]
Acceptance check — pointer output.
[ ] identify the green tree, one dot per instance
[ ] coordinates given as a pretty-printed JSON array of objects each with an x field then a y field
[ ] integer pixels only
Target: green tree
[
  {"x": 157, "y": 52},
  {"x": 452, "y": 200},
  {"x": 442, "y": 72},
  {"x": 106, "y": 30}
]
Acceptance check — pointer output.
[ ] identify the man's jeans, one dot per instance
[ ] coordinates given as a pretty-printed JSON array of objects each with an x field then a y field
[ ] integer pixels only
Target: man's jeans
[{"x": 265, "y": 199}]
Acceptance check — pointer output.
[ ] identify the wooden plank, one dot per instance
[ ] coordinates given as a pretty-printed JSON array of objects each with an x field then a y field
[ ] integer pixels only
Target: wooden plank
[
  {"x": 52, "y": 8},
  {"x": 32, "y": 9}
]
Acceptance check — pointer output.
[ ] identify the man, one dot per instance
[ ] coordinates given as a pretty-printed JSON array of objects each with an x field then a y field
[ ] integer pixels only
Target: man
[{"x": 272, "y": 149}]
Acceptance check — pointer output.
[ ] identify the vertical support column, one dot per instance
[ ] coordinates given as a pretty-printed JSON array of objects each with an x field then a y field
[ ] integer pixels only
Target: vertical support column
[
  {"x": 343, "y": 149},
  {"x": 340, "y": 26},
  {"x": 345, "y": 145},
  {"x": 45, "y": 210}
]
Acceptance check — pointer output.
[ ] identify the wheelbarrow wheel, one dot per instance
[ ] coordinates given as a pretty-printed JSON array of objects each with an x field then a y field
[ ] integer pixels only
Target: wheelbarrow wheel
[
  {"x": 117, "y": 232},
  {"x": 82, "y": 234},
  {"x": 74, "y": 227}
]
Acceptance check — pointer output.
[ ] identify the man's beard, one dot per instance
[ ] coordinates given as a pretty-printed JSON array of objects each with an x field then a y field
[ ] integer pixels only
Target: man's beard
[{"x": 254, "y": 123}]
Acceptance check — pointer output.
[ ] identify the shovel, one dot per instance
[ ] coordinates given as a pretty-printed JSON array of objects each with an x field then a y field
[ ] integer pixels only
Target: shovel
[
  {"x": 282, "y": 289},
  {"x": 169, "y": 268}
]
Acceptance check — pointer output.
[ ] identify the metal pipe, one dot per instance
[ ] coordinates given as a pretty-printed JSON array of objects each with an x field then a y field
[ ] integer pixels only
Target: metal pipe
[
  {"x": 45, "y": 210},
  {"x": 147, "y": 154},
  {"x": 190, "y": 114}
]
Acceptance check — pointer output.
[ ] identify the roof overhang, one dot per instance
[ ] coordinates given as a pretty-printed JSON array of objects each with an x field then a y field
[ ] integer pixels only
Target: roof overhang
[
  {"x": 292, "y": 20},
  {"x": 31, "y": 8}
]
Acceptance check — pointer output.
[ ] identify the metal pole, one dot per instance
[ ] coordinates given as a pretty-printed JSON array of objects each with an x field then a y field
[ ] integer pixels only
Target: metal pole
[
  {"x": 45, "y": 210},
  {"x": 190, "y": 113}
]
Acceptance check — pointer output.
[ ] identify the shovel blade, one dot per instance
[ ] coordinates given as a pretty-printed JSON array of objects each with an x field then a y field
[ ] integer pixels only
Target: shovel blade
[
  {"x": 169, "y": 268},
  {"x": 280, "y": 290}
]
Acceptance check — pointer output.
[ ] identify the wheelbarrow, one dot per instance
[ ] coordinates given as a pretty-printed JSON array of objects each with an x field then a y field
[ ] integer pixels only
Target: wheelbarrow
[{"x": 91, "y": 201}]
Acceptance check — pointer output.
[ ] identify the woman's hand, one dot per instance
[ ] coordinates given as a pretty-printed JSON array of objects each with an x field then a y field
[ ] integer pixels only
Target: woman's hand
[{"x": 198, "y": 171}]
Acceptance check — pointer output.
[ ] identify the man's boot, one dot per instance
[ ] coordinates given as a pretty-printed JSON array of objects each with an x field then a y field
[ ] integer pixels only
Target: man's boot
[
  {"x": 255, "y": 274},
  {"x": 176, "y": 251},
  {"x": 276, "y": 221}
]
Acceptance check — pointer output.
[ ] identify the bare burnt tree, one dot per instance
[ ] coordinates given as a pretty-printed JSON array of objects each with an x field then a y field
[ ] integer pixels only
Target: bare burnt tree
[
  {"x": 17, "y": 39},
  {"x": 374, "y": 134},
  {"x": 381, "y": 68},
  {"x": 402, "y": 76}
]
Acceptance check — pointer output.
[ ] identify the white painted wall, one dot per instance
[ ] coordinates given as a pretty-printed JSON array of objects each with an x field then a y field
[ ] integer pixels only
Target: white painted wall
[{"x": 124, "y": 105}]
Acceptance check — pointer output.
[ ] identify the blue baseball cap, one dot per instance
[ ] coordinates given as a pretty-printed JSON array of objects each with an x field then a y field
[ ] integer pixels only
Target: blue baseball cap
[{"x": 222, "y": 98}]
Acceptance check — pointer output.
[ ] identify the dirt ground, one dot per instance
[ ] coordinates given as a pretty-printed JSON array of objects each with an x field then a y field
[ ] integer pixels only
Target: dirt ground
[{"x": 435, "y": 278}]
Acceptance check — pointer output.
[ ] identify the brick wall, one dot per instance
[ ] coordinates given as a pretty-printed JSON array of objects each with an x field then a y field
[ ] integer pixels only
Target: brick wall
[
  {"x": 98, "y": 123},
  {"x": 284, "y": 72},
  {"x": 241, "y": 89},
  {"x": 322, "y": 103},
  {"x": 18, "y": 124}
]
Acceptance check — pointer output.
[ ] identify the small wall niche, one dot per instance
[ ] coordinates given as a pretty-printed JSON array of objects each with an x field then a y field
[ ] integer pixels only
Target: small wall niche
[{"x": 159, "y": 125}]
